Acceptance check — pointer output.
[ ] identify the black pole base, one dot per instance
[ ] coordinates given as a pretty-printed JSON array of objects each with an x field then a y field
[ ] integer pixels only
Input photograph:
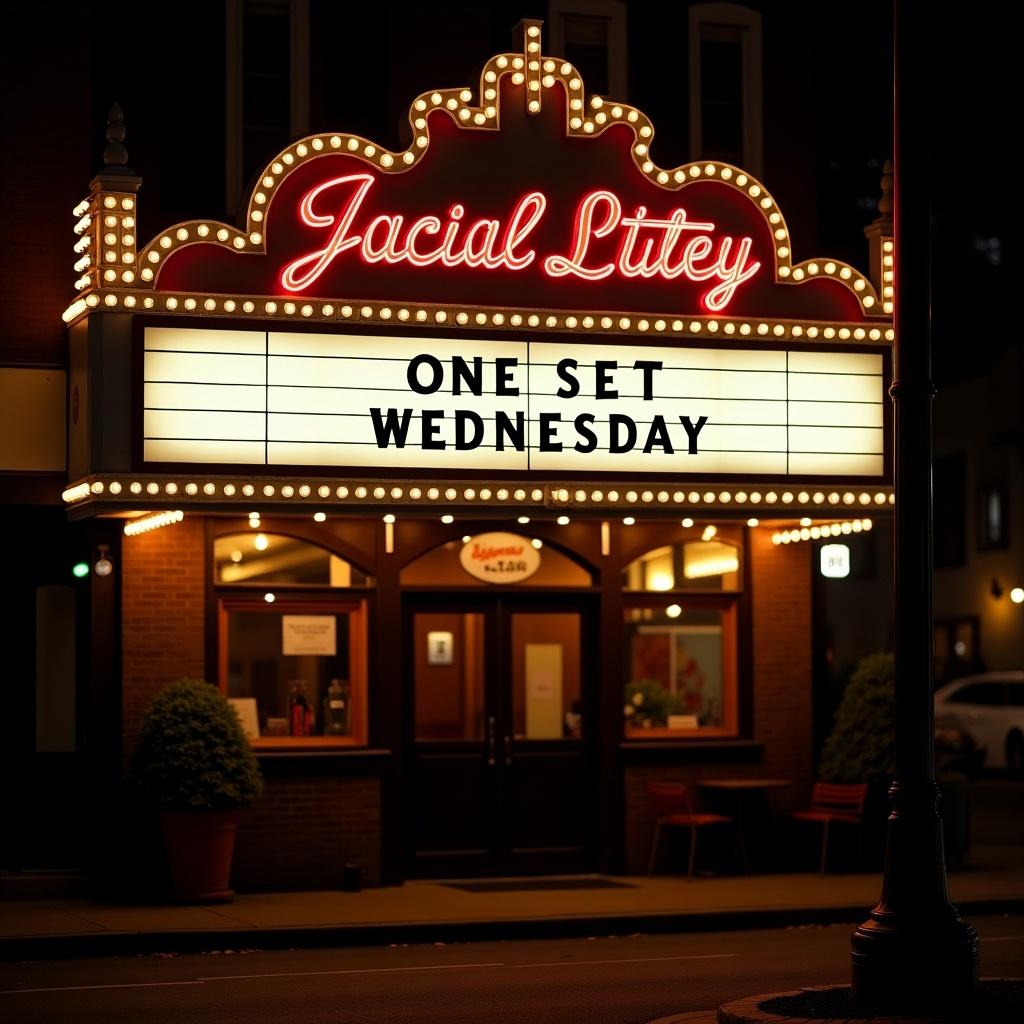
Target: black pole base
[
  {"x": 920, "y": 965},
  {"x": 914, "y": 951}
]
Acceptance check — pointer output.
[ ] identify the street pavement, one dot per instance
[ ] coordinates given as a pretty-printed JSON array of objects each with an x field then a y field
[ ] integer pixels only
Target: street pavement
[{"x": 602, "y": 980}]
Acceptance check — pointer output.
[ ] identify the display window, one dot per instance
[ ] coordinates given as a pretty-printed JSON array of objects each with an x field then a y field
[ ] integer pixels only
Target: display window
[
  {"x": 681, "y": 639},
  {"x": 292, "y": 640}
]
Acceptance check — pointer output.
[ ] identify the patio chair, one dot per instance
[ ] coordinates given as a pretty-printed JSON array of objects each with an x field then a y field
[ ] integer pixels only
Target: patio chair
[
  {"x": 673, "y": 808},
  {"x": 836, "y": 802}
]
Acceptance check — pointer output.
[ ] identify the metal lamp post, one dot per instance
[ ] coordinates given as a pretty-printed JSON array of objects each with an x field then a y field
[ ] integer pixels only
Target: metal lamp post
[{"x": 914, "y": 948}]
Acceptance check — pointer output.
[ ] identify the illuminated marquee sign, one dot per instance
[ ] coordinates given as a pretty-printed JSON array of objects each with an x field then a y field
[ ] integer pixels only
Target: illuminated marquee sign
[
  {"x": 278, "y": 398},
  {"x": 525, "y": 194},
  {"x": 523, "y": 289}
]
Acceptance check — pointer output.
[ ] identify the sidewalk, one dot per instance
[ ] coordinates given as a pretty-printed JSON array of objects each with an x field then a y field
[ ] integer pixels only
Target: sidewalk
[{"x": 438, "y": 911}]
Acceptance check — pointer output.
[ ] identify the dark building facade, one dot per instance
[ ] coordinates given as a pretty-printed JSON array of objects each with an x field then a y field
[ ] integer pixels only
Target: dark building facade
[{"x": 502, "y": 724}]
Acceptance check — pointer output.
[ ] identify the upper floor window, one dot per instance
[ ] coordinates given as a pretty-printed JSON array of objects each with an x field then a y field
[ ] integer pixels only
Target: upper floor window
[
  {"x": 267, "y": 87},
  {"x": 591, "y": 35},
  {"x": 993, "y": 517},
  {"x": 725, "y": 85}
]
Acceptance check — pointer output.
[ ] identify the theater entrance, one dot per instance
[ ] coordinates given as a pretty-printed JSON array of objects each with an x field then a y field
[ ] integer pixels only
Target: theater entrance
[{"x": 500, "y": 728}]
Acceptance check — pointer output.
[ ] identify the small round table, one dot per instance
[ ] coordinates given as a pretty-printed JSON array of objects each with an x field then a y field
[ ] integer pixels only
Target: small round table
[{"x": 742, "y": 788}]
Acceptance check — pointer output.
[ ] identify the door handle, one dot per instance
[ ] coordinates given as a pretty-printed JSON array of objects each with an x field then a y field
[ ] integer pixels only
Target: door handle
[
  {"x": 508, "y": 749},
  {"x": 491, "y": 741}
]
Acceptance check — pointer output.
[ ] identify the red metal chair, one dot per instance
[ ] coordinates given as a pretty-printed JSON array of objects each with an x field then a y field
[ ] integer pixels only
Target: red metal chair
[
  {"x": 672, "y": 807},
  {"x": 839, "y": 802}
]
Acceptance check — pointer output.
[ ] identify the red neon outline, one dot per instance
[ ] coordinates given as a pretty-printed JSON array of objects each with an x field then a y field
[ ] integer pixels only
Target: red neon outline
[{"x": 483, "y": 245}]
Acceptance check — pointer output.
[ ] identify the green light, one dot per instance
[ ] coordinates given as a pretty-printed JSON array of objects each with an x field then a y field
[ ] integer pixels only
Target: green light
[{"x": 80, "y": 569}]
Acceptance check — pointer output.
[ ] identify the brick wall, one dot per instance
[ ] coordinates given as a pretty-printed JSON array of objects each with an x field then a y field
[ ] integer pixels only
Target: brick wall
[
  {"x": 781, "y": 589},
  {"x": 781, "y": 577},
  {"x": 303, "y": 831},
  {"x": 307, "y": 825},
  {"x": 162, "y": 615}
]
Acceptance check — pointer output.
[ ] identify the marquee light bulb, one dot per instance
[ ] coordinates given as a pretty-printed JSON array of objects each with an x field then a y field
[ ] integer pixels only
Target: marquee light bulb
[
  {"x": 1017, "y": 595},
  {"x": 261, "y": 543},
  {"x": 447, "y": 519},
  {"x": 562, "y": 520},
  {"x": 269, "y": 598}
]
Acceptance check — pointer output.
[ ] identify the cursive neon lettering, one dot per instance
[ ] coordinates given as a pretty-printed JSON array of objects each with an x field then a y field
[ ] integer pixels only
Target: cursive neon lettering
[
  {"x": 559, "y": 266},
  {"x": 648, "y": 247}
]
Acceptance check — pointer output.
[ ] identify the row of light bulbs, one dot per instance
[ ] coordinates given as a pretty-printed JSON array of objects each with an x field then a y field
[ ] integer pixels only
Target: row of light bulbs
[
  {"x": 159, "y": 519},
  {"x": 809, "y": 532},
  {"x": 446, "y": 315},
  {"x": 85, "y": 489}
]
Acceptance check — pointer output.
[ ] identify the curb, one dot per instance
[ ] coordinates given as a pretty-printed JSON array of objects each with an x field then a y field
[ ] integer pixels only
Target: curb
[
  {"x": 748, "y": 1010},
  {"x": 131, "y": 943}
]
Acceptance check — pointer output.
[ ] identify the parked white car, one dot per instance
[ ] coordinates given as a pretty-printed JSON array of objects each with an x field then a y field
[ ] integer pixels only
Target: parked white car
[{"x": 991, "y": 708}]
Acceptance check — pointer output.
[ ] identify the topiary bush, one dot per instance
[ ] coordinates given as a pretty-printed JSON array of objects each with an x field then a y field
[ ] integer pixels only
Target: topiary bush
[
  {"x": 192, "y": 754},
  {"x": 862, "y": 744}
]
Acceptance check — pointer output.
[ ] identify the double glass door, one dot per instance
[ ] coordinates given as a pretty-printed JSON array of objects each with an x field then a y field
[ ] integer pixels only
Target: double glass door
[{"x": 499, "y": 728}]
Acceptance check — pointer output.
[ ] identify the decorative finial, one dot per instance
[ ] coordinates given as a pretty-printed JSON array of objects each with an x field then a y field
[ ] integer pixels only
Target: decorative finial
[
  {"x": 528, "y": 34},
  {"x": 115, "y": 156},
  {"x": 885, "y": 202}
]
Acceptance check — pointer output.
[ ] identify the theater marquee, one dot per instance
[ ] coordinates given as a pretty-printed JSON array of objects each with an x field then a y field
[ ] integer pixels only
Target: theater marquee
[
  {"x": 276, "y": 398},
  {"x": 522, "y": 294}
]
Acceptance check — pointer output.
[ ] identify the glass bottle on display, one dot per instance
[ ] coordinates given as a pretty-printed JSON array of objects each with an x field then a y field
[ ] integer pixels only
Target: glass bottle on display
[
  {"x": 336, "y": 708},
  {"x": 300, "y": 714}
]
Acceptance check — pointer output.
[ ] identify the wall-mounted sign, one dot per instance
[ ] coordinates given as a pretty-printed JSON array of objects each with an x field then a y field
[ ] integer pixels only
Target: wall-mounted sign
[
  {"x": 499, "y": 558},
  {"x": 309, "y": 634},
  {"x": 440, "y": 648},
  {"x": 835, "y": 561},
  {"x": 276, "y": 398}
]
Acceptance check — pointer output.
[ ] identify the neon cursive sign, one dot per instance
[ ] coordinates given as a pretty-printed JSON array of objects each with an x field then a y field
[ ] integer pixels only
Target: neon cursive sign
[{"x": 648, "y": 247}]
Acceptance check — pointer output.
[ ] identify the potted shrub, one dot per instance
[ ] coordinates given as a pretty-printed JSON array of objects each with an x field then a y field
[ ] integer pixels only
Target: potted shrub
[
  {"x": 195, "y": 766},
  {"x": 862, "y": 748}
]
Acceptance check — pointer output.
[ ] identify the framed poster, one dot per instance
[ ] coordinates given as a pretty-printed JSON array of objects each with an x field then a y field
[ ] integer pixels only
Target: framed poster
[{"x": 309, "y": 634}]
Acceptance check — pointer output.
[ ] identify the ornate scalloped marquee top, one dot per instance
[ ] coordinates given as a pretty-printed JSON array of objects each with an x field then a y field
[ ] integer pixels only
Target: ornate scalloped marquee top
[{"x": 524, "y": 199}]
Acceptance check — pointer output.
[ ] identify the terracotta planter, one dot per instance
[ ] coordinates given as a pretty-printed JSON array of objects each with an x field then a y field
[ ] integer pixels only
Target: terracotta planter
[{"x": 199, "y": 847}]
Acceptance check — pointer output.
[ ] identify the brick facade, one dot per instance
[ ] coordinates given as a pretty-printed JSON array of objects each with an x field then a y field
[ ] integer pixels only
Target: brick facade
[
  {"x": 162, "y": 615},
  {"x": 304, "y": 828},
  {"x": 303, "y": 831},
  {"x": 310, "y": 823},
  {"x": 779, "y": 578}
]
